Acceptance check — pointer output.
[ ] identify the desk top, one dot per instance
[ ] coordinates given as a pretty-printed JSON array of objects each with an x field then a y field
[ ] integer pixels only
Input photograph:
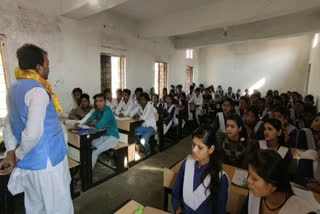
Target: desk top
[{"x": 132, "y": 206}]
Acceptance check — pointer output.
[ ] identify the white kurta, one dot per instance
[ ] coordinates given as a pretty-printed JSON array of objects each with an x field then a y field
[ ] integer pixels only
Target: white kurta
[{"x": 48, "y": 190}]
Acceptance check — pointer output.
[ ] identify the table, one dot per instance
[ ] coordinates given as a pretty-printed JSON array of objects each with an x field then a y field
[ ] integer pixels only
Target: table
[{"x": 132, "y": 206}]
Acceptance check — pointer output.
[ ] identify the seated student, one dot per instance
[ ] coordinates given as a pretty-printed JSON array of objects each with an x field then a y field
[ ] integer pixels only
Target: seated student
[
  {"x": 191, "y": 92},
  {"x": 296, "y": 114},
  {"x": 76, "y": 94},
  {"x": 246, "y": 93},
  {"x": 112, "y": 103},
  {"x": 290, "y": 131},
  {"x": 286, "y": 100},
  {"x": 253, "y": 124},
  {"x": 179, "y": 90},
  {"x": 219, "y": 124},
  {"x": 151, "y": 93},
  {"x": 270, "y": 189},
  {"x": 174, "y": 95},
  {"x": 309, "y": 138},
  {"x": 82, "y": 110},
  {"x": 126, "y": 105},
  {"x": 147, "y": 113},
  {"x": 201, "y": 86},
  {"x": 197, "y": 101},
  {"x": 254, "y": 99},
  {"x": 183, "y": 109},
  {"x": 244, "y": 103},
  {"x": 309, "y": 100},
  {"x": 102, "y": 118},
  {"x": 309, "y": 113},
  {"x": 220, "y": 91},
  {"x": 137, "y": 94},
  {"x": 157, "y": 104},
  {"x": 230, "y": 94},
  {"x": 274, "y": 140},
  {"x": 308, "y": 170},
  {"x": 238, "y": 94},
  {"x": 207, "y": 100},
  {"x": 263, "y": 110},
  {"x": 164, "y": 95},
  {"x": 275, "y": 93},
  {"x": 118, "y": 96},
  {"x": 169, "y": 114},
  {"x": 201, "y": 185},
  {"x": 234, "y": 144}
]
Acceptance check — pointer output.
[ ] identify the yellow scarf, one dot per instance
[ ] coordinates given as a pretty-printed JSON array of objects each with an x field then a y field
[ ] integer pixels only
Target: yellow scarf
[{"x": 33, "y": 75}]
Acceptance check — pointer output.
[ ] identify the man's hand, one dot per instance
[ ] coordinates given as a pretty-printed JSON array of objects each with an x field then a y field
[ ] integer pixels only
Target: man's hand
[
  {"x": 94, "y": 122},
  {"x": 8, "y": 163},
  {"x": 136, "y": 117},
  {"x": 179, "y": 211},
  {"x": 121, "y": 115}
]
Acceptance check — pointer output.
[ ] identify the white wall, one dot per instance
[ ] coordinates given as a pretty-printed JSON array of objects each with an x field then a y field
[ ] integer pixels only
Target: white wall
[
  {"x": 74, "y": 47},
  {"x": 314, "y": 81},
  {"x": 283, "y": 63}
]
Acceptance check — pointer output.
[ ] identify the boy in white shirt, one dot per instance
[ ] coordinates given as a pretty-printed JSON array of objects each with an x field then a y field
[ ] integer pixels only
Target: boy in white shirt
[
  {"x": 126, "y": 104},
  {"x": 197, "y": 100},
  {"x": 112, "y": 103},
  {"x": 147, "y": 113}
]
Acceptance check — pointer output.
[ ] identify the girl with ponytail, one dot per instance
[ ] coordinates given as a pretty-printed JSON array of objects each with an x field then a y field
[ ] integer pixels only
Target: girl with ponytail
[{"x": 201, "y": 185}]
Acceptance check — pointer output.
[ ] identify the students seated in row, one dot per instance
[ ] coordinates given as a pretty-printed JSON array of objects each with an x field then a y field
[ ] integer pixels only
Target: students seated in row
[
  {"x": 234, "y": 144},
  {"x": 201, "y": 185},
  {"x": 220, "y": 120},
  {"x": 103, "y": 118},
  {"x": 169, "y": 114},
  {"x": 274, "y": 140},
  {"x": 76, "y": 94},
  {"x": 126, "y": 105},
  {"x": 270, "y": 189},
  {"x": 289, "y": 130},
  {"x": 309, "y": 138},
  {"x": 253, "y": 124},
  {"x": 82, "y": 110},
  {"x": 147, "y": 114},
  {"x": 112, "y": 103},
  {"x": 197, "y": 101}
]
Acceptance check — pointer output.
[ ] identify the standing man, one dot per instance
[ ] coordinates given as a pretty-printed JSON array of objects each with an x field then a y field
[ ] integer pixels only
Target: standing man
[{"x": 36, "y": 148}]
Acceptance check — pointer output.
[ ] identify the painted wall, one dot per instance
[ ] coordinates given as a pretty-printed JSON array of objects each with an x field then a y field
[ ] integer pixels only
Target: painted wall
[
  {"x": 314, "y": 80},
  {"x": 277, "y": 64},
  {"x": 74, "y": 48}
]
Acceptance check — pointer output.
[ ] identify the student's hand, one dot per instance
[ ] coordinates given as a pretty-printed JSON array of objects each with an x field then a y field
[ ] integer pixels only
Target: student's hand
[
  {"x": 179, "y": 211},
  {"x": 8, "y": 163},
  {"x": 77, "y": 126},
  {"x": 136, "y": 117},
  {"x": 94, "y": 122},
  {"x": 121, "y": 115}
]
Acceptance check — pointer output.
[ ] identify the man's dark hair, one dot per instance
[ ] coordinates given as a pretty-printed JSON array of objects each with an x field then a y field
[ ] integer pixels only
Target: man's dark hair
[
  {"x": 127, "y": 91},
  {"x": 75, "y": 90},
  {"x": 138, "y": 90},
  {"x": 107, "y": 90},
  {"x": 310, "y": 97},
  {"x": 85, "y": 96},
  {"x": 146, "y": 96},
  {"x": 99, "y": 95},
  {"x": 29, "y": 56}
]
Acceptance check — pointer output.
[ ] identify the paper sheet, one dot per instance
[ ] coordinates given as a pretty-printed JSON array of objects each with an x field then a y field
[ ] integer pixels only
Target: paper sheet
[
  {"x": 71, "y": 122},
  {"x": 240, "y": 178},
  {"x": 122, "y": 118},
  {"x": 307, "y": 196}
]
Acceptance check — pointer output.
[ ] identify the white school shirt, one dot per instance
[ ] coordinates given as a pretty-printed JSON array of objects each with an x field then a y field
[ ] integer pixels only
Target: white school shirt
[
  {"x": 125, "y": 108},
  {"x": 197, "y": 100},
  {"x": 113, "y": 104},
  {"x": 148, "y": 115}
]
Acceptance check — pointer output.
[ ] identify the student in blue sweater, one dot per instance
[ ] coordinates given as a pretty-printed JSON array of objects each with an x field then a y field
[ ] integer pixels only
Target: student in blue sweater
[
  {"x": 103, "y": 118},
  {"x": 201, "y": 185}
]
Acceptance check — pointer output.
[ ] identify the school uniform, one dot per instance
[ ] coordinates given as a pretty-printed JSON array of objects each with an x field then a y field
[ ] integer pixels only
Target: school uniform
[
  {"x": 198, "y": 102},
  {"x": 308, "y": 167},
  {"x": 113, "y": 104},
  {"x": 191, "y": 194},
  {"x": 306, "y": 140},
  {"x": 184, "y": 114},
  {"x": 258, "y": 131},
  {"x": 33, "y": 127},
  {"x": 292, "y": 132},
  {"x": 234, "y": 152},
  {"x": 169, "y": 118},
  {"x": 283, "y": 151},
  {"x": 240, "y": 112},
  {"x": 110, "y": 139},
  {"x": 294, "y": 204},
  {"x": 230, "y": 95},
  {"x": 264, "y": 115},
  {"x": 219, "y": 123},
  {"x": 148, "y": 127},
  {"x": 125, "y": 108}
]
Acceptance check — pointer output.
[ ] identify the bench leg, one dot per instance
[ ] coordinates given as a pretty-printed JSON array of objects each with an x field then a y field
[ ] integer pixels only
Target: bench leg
[
  {"x": 120, "y": 156},
  {"x": 165, "y": 199}
]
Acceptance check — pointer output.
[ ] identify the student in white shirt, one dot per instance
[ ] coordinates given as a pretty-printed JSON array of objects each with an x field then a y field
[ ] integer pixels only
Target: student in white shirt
[
  {"x": 191, "y": 92},
  {"x": 197, "y": 100},
  {"x": 137, "y": 94},
  {"x": 147, "y": 113},
  {"x": 76, "y": 94},
  {"x": 112, "y": 103},
  {"x": 126, "y": 104}
]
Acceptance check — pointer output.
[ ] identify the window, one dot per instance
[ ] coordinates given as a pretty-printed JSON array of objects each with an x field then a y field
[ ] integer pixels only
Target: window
[
  {"x": 189, "y": 53},
  {"x": 3, "y": 87},
  {"x": 161, "y": 75},
  {"x": 189, "y": 77},
  {"x": 113, "y": 70}
]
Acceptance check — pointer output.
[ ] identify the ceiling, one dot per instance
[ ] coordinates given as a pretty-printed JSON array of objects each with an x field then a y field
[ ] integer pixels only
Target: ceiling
[{"x": 146, "y": 10}]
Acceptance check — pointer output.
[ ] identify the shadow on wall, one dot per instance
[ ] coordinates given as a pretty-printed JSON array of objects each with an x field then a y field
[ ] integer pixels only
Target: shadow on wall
[{"x": 257, "y": 85}]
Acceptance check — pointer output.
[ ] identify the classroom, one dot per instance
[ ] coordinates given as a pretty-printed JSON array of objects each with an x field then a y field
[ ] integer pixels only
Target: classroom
[{"x": 159, "y": 106}]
